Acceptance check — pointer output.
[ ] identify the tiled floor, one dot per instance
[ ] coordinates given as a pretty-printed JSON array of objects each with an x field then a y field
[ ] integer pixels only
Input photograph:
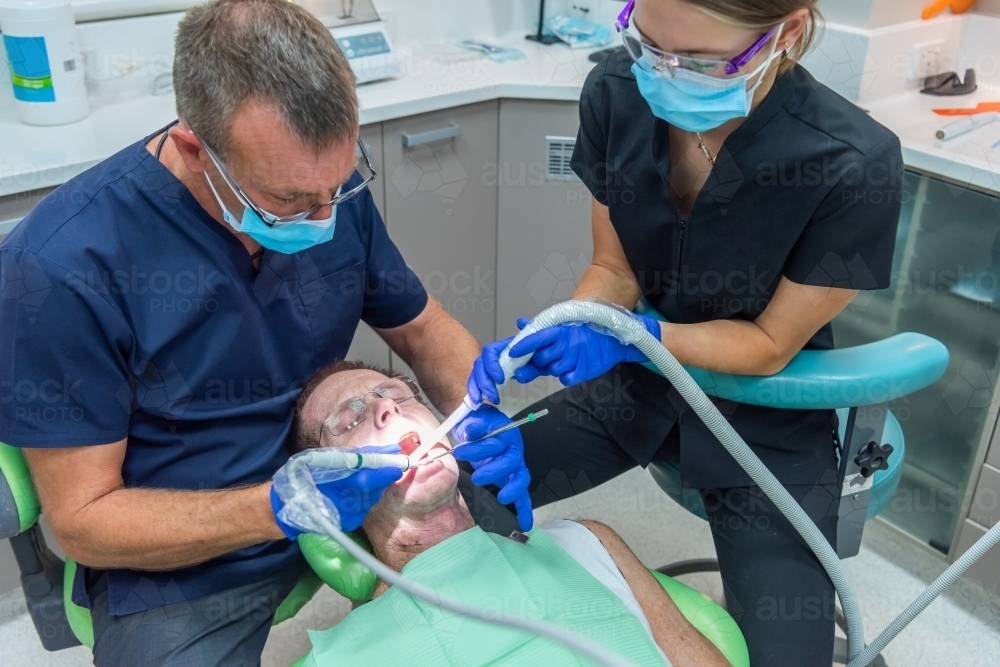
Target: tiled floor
[{"x": 960, "y": 628}]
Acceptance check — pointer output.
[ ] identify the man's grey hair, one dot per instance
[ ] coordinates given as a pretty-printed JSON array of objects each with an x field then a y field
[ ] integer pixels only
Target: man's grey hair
[{"x": 231, "y": 52}]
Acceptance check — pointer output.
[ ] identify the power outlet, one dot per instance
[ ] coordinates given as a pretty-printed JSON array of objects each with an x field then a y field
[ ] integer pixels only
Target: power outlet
[{"x": 925, "y": 60}]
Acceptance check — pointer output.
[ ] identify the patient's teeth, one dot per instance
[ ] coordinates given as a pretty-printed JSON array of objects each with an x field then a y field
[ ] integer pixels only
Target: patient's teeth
[{"x": 408, "y": 443}]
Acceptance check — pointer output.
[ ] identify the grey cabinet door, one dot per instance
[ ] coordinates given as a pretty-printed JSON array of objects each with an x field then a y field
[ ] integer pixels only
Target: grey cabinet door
[
  {"x": 442, "y": 212},
  {"x": 367, "y": 346},
  {"x": 544, "y": 241},
  {"x": 14, "y": 207}
]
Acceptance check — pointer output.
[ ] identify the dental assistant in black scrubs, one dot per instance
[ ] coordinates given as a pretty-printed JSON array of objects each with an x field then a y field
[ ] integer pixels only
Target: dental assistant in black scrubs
[{"x": 749, "y": 204}]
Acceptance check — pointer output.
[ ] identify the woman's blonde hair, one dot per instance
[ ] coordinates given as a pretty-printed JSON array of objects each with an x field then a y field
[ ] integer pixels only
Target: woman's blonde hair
[{"x": 765, "y": 14}]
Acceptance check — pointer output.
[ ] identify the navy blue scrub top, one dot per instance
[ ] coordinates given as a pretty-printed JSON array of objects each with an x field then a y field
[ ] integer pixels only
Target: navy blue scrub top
[
  {"x": 809, "y": 188},
  {"x": 129, "y": 312}
]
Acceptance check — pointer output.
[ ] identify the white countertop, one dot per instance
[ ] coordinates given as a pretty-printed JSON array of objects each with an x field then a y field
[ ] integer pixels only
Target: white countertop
[
  {"x": 435, "y": 76},
  {"x": 967, "y": 160},
  {"x": 438, "y": 76}
]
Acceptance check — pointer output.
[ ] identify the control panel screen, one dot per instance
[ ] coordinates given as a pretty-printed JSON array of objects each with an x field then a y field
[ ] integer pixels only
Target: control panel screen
[{"x": 359, "y": 46}]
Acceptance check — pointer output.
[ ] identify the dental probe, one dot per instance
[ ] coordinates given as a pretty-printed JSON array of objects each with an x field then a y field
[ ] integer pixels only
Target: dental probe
[
  {"x": 503, "y": 429},
  {"x": 495, "y": 432}
]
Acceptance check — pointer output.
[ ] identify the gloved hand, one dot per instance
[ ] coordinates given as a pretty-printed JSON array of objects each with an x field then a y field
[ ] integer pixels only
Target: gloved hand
[
  {"x": 487, "y": 374},
  {"x": 498, "y": 460},
  {"x": 573, "y": 353},
  {"x": 353, "y": 496}
]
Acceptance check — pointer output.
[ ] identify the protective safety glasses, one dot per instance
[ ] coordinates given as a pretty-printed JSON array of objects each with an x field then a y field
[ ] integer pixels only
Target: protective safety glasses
[
  {"x": 271, "y": 219},
  {"x": 353, "y": 411},
  {"x": 663, "y": 61}
]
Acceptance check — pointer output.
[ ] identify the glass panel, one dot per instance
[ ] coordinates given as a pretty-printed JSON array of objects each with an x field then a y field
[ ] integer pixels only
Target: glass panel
[{"x": 945, "y": 286}]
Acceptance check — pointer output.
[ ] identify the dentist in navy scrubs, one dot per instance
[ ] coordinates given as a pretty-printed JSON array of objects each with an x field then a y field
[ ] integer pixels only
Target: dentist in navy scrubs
[
  {"x": 748, "y": 204},
  {"x": 160, "y": 314}
]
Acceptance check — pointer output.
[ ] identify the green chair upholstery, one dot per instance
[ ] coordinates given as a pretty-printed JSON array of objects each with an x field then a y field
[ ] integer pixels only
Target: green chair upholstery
[
  {"x": 80, "y": 621},
  {"x": 19, "y": 506},
  {"x": 42, "y": 572},
  {"x": 710, "y": 619},
  {"x": 337, "y": 568}
]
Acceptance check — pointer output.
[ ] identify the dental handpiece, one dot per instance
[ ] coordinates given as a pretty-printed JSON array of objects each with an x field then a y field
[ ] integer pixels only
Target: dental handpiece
[
  {"x": 401, "y": 461},
  {"x": 333, "y": 464}
]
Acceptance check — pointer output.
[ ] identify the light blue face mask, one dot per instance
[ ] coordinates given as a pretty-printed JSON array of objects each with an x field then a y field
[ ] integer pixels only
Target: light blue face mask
[
  {"x": 697, "y": 102},
  {"x": 286, "y": 238}
]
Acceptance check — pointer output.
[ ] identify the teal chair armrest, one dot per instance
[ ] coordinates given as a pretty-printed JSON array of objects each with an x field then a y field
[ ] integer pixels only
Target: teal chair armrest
[{"x": 829, "y": 379}]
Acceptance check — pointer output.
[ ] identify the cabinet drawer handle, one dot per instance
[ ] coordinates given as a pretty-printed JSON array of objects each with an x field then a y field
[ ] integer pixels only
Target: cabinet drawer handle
[{"x": 440, "y": 134}]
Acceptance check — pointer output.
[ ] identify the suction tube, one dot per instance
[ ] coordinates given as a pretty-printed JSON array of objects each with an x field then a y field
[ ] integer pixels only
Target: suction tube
[
  {"x": 630, "y": 331},
  {"x": 627, "y": 328}
]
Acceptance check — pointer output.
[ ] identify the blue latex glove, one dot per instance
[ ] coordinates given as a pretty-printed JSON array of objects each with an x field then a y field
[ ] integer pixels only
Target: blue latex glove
[
  {"x": 573, "y": 353},
  {"x": 498, "y": 460},
  {"x": 353, "y": 496}
]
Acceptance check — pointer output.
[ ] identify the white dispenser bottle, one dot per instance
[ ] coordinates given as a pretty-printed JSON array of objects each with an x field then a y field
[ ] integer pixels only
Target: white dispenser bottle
[{"x": 43, "y": 57}]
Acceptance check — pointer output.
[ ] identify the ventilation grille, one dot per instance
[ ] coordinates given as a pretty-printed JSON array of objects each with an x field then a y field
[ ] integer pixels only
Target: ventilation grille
[{"x": 558, "y": 151}]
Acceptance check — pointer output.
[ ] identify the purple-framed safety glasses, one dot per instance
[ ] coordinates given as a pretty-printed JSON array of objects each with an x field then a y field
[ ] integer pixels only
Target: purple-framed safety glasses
[{"x": 732, "y": 66}]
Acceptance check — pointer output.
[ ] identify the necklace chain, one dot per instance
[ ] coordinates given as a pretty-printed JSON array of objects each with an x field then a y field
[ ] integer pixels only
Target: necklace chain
[{"x": 704, "y": 148}]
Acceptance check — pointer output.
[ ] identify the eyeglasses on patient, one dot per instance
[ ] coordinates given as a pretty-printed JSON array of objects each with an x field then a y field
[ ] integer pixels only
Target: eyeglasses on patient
[{"x": 354, "y": 411}]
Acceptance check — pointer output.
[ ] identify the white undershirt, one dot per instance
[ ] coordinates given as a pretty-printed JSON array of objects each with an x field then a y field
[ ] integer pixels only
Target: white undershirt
[{"x": 586, "y": 549}]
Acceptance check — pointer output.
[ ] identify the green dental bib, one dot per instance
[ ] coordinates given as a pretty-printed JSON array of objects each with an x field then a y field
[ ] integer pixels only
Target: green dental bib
[{"x": 537, "y": 580}]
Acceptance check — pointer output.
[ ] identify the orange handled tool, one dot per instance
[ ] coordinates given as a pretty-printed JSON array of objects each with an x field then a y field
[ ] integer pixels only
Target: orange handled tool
[
  {"x": 982, "y": 107},
  {"x": 938, "y": 6}
]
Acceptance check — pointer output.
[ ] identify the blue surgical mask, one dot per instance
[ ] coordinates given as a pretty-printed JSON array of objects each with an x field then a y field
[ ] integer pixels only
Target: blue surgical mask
[
  {"x": 286, "y": 238},
  {"x": 697, "y": 102}
]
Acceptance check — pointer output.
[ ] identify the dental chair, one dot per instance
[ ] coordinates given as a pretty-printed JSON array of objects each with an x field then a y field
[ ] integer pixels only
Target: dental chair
[
  {"x": 857, "y": 382},
  {"x": 47, "y": 580}
]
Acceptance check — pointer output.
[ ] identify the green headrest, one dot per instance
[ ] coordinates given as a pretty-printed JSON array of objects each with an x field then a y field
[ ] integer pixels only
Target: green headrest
[
  {"x": 19, "y": 505},
  {"x": 337, "y": 568}
]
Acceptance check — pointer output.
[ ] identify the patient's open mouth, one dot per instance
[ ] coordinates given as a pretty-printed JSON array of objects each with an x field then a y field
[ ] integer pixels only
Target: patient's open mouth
[{"x": 409, "y": 443}]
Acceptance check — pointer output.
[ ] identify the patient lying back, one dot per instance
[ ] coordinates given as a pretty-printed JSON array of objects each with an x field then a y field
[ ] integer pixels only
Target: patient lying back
[{"x": 422, "y": 521}]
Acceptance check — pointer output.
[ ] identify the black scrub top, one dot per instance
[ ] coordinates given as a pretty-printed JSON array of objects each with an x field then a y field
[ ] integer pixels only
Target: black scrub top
[{"x": 808, "y": 188}]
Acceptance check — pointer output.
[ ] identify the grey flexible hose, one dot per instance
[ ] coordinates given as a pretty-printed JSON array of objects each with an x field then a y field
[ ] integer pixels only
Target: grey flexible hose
[
  {"x": 628, "y": 329},
  {"x": 947, "y": 578}
]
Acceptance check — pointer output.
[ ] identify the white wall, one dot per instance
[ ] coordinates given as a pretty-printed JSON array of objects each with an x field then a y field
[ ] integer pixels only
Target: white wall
[
  {"x": 988, "y": 7},
  {"x": 877, "y": 13},
  {"x": 854, "y": 13},
  {"x": 423, "y": 20}
]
